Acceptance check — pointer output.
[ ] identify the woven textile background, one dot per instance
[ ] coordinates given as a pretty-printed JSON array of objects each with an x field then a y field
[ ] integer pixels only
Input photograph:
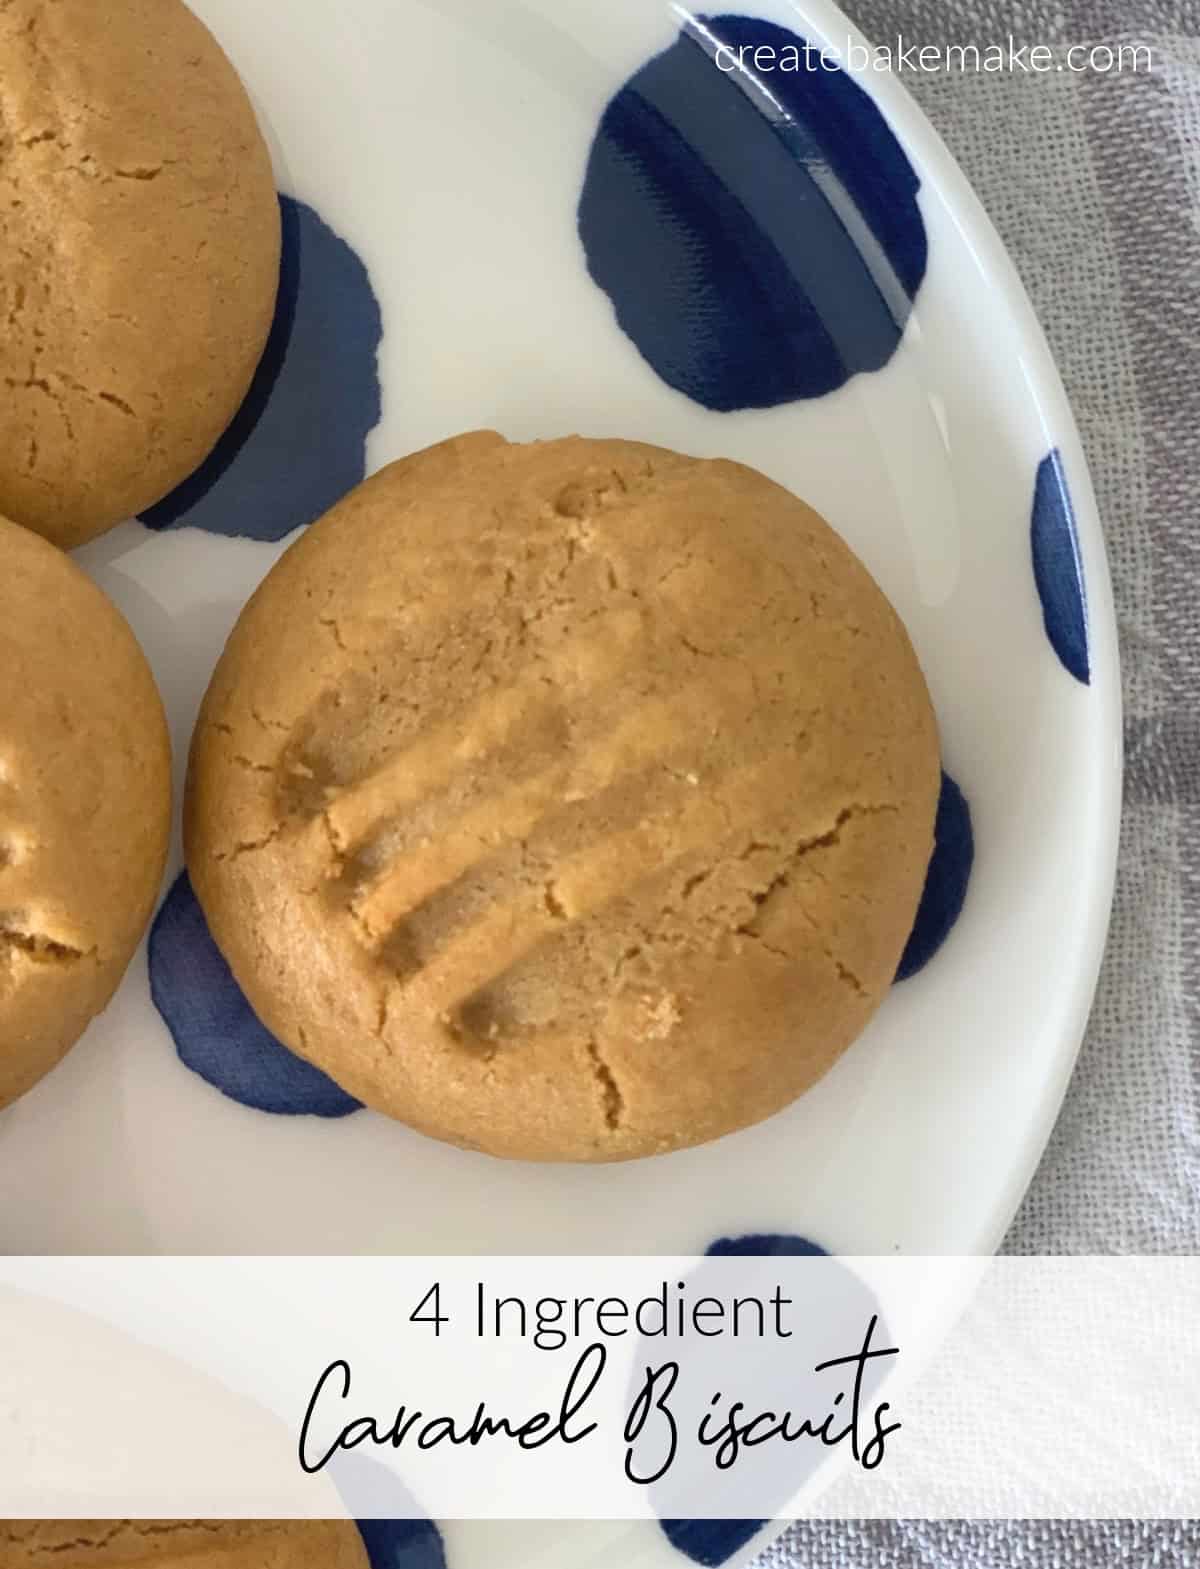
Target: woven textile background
[{"x": 1094, "y": 184}]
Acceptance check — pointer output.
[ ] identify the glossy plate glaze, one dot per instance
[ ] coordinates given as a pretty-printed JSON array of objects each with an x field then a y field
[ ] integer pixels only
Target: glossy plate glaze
[{"x": 550, "y": 216}]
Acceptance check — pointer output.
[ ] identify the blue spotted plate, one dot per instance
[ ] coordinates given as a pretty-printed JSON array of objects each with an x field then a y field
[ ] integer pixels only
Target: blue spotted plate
[{"x": 627, "y": 219}]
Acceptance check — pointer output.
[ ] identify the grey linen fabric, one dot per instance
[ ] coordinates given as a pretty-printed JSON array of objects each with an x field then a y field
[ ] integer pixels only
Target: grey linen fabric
[{"x": 1094, "y": 184}]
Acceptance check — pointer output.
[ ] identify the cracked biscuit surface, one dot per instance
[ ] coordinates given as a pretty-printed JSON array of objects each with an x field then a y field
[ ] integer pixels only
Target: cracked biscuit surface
[
  {"x": 85, "y": 804},
  {"x": 200, "y": 1544},
  {"x": 567, "y": 801},
  {"x": 139, "y": 256}
]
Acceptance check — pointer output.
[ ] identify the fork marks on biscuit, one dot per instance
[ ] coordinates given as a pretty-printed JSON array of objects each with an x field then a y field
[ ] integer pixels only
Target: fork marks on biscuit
[{"x": 464, "y": 844}]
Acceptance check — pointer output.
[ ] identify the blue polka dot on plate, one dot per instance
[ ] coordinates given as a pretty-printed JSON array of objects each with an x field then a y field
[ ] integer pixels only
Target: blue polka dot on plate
[
  {"x": 371, "y": 1492},
  {"x": 298, "y": 443},
  {"x": 403, "y": 1544},
  {"x": 757, "y": 232},
  {"x": 946, "y": 881},
  {"x": 214, "y": 1028},
  {"x": 764, "y": 1245},
  {"x": 713, "y": 1542},
  {"x": 1058, "y": 567},
  {"x": 710, "y": 1542}
]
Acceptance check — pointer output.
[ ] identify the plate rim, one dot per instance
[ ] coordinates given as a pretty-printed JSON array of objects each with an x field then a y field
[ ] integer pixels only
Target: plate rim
[
  {"x": 937, "y": 167},
  {"x": 1048, "y": 395}
]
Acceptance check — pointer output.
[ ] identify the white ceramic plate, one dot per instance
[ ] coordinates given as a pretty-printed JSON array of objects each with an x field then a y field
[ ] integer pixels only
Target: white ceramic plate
[{"x": 447, "y": 143}]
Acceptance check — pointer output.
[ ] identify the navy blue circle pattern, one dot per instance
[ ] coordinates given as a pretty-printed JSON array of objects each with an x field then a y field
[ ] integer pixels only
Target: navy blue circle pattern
[
  {"x": 845, "y": 1300},
  {"x": 371, "y": 1492},
  {"x": 947, "y": 880},
  {"x": 403, "y": 1544},
  {"x": 298, "y": 443},
  {"x": 712, "y": 1542},
  {"x": 214, "y": 1028},
  {"x": 758, "y": 235},
  {"x": 1058, "y": 567},
  {"x": 764, "y": 1244}
]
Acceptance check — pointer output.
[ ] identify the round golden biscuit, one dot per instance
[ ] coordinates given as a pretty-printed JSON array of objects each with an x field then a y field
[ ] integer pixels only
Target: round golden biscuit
[
  {"x": 198, "y": 1544},
  {"x": 85, "y": 804},
  {"x": 566, "y": 801},
  {"x": 139, "y": 257}
]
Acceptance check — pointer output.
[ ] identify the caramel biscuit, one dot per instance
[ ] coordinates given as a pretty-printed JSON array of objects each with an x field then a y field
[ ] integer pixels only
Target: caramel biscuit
[
  {"x": 198, "y": 1544},
  {"x": 85, "y": 804},
  {"x": 139, "y": 257},
  {"x": 567, "y": 801}
]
